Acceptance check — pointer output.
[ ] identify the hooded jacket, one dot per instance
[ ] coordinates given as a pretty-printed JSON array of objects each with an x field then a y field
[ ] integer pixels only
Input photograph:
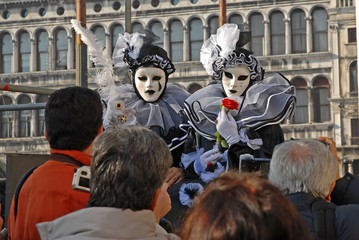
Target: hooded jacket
[{"x": 104, "y": 223}]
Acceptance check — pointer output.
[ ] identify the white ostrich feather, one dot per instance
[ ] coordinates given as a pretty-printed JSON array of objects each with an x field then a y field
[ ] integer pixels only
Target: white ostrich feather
[{"x": 98, "y": 55}]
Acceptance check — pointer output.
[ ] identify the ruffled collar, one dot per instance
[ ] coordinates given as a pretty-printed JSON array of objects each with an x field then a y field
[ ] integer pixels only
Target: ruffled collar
[
  {"x": 267, "y": 102},
  {"x": 161, "y": 116}
]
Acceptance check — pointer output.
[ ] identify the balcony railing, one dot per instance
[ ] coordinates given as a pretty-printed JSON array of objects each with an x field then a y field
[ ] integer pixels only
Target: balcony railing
[{"x": 346, "y": 3}]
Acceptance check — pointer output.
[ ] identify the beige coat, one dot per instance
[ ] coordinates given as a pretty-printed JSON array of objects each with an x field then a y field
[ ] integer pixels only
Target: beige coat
[{"x": 104, "y": 223}]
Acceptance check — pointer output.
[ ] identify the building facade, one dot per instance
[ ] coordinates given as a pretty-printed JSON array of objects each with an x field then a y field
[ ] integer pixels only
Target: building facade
[{"x": 312, "y": 43}]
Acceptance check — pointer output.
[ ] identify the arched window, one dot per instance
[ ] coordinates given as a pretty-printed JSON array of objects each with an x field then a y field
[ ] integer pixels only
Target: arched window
[
  {"x": 236, "y": 19},
  {"x": 40, "y": 124},
  {"x": 213, "y": 25},
  {"x": 42, "y": 50},
  {"x": 176, "y": 41},
  {"x": 99, "y": 32},
  {"x": 6, "y": 53},
  {"x": 6, "y": 118},
  {"x": 137, "y": 27},
  {"x": 156, "y": 28},
  {"x": 277, "y": 33},
  {"x": 320, "y": 30},
  {"x": 25, "y": 51},
  {"x": 354, "y": 140},
  {"x": 257, "y": 31},
  {"x": 299, "y": 29},
  {"x": 115, "y": 31},
  {"x": 301, "y": 108},
  {"x": 24, "y": 117},
  {"x": 353, "y": 79},
  {"x": 321, "y": 100},
  {"x": 61, "y": 50},
  {"x": 196, "y": 38}
]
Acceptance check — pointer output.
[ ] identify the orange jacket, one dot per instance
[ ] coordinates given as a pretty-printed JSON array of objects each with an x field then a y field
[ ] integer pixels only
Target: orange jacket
[{"x": 47, "y": 194}]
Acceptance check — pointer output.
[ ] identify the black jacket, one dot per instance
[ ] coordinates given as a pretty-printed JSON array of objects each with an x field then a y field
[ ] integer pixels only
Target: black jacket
[{"x": 342, "y": 219}]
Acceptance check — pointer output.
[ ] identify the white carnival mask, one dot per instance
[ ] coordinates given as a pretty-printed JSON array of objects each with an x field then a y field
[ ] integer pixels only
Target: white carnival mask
[
  {"x": 235, "y": 80},
  {"x": 150, "y": 83}
]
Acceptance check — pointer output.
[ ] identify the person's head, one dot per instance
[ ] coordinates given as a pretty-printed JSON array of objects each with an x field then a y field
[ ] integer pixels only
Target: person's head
[
  {"x": 225, "y": 59},
  {"x": 240, "y": 72},
  {"x": 129, "y": 165},
  {"x": 149, "y": 64},
  {"x": 149, "y": 82},
  {"x": 73, "y": 117},
  {"x": 243, "y": 206},
  {"x": 303, "y": 165}
]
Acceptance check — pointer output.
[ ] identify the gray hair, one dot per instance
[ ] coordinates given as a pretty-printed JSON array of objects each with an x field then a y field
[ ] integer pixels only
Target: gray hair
[
  {"x": 128, "y": 165},
  {"x": 304, "y": 165}
]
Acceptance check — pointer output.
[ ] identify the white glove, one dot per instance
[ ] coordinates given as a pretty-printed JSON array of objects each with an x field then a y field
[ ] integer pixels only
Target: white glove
[
  {"x": 201, "y": 163},
  {"x": 227, "y": 127}
]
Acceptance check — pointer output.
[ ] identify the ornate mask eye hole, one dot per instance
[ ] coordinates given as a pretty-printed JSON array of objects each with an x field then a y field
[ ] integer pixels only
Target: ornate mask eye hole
[
  {"x": 119, "y": 105},
  {"x": 242, "y": 78},
  {"x": 228, "y": 75}
]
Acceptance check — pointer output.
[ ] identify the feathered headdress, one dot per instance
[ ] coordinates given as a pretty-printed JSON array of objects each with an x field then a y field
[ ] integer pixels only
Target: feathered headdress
[
  {"x": 97, "y": 53},
  {"x": 135, "y": 50},
  {"x": 116, "y": 113},
  {"x": 225, "y": 49}
]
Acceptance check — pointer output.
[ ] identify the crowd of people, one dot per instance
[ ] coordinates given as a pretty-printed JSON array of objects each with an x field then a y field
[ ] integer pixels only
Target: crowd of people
[{"x": 165, "y": 164}]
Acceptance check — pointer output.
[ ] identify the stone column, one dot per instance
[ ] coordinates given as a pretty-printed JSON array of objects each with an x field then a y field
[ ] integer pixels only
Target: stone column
[
  {"x": 52, "y": 54},
  {"x": 33, "y": 55},
  {"x": 267, "y": 39},
  {"x": 335, "y": 60},
  {"x": 108, "y": 45},
  {"x": 246, "y": 28},
  {"x": 15, "y": 56},
  {"x": 309, "y": 34},
  {"x": 288, "y": 36},
  {"x": 70, "y": 53},
  {"x": 34, "y": 123},
  {"x": 205, "y": 33},
  {"x": 310, "y": 104},
  {"x": 166, "y": 41},
  {"x": 186, "y": 44}
]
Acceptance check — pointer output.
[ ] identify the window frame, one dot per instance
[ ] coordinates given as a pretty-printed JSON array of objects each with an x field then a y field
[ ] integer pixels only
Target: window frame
[
  {"x": 298, "y": 35},
  {"x": 62, "y": 52},
  {"x": 319, "y": 84},
  {"x": 277, "y": 38},
  {"x": 194, "y": 51},
  {"x": 6, "y": 100},
  {"x": 301, "y": 85},
  {"x": 5, "y": 53},
  {"x": 176, "y": 42},
  {"x": 352, "y": 35},
  {"x": 259, "y": 37}
]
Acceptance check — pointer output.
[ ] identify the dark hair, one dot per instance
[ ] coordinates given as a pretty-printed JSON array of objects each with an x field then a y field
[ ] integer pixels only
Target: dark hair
[
  {"x": 73, "y": 117},
  {"x": 128, "y": 165},
  {"x": 243, "y": 207}
]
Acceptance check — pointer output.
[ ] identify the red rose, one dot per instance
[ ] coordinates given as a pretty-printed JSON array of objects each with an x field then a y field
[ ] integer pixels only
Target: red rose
[{"x": 230, "y": 104}]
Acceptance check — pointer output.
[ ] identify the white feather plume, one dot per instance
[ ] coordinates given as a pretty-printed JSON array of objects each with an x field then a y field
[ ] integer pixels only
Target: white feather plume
[
  {"x": 99, "y": 56},
  {"x": 219, "y": 45}
]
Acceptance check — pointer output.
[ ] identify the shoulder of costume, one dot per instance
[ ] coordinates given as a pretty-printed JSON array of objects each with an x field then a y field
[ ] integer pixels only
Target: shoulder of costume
[
  {"x": 268, "y": 102},
  {"x": 213, "y": 90}
]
